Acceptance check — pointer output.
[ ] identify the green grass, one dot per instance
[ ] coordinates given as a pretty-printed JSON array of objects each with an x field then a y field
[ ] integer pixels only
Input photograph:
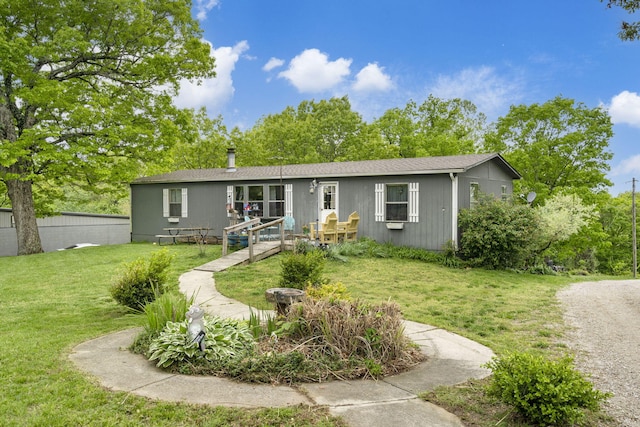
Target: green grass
[
  {"x": 54, "y": 301},
  {"x": 502, "y": 310},
  {"x": 506, "y": 311}
]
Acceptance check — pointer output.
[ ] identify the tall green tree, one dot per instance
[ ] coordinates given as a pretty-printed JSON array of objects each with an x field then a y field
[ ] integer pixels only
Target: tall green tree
[
  {"x": 202, "y": 143},
  {"x": 313, "y": 132},
  {"x": 85, "y": 92},
  {"x": 332, "y": 126},
  {"x": 437, "y": 127},
  {"x": 557, "y": 146},
  {"x": 615, "y": 252},
  {"x": 628, "y": 30}
]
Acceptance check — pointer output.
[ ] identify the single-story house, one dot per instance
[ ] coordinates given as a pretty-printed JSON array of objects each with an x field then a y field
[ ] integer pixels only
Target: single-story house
[{"x": 410, "y": 202}]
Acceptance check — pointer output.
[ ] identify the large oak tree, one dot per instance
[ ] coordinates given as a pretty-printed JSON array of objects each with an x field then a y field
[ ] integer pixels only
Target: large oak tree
[
  {"x": 560, "y": 145},
  {"x": 85, "y": 92}
]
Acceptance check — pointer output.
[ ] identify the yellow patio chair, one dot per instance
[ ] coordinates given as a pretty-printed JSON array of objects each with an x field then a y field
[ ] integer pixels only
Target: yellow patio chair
[
  {"x": 328, "y": 233},
  {"x": 348, "y": 231}
]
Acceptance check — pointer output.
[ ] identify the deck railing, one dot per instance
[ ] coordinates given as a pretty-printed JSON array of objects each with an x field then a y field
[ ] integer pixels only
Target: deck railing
[{"x": 253, "y": 228}]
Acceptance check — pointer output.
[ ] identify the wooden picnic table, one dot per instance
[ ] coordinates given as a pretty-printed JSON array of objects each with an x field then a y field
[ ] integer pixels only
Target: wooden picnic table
[{"x": 188, "y": 232}]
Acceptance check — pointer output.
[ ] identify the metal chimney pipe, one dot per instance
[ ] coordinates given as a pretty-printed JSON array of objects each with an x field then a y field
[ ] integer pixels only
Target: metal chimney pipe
[{"x": 231, "y": 160}]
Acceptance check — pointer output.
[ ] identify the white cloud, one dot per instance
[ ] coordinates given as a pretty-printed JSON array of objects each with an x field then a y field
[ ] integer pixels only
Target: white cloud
[
  {"x": 273, "y": 63},
  {"x": 213, "y": 93},
  {"x": 483, "y": 86},
  {"x": 625, "y": 108},
  {"x": 629, "y": 165},
  {"x": 311, "y": 71},
  {"x": 372, "y": 79},
  {"x": 203, "y": 7}
]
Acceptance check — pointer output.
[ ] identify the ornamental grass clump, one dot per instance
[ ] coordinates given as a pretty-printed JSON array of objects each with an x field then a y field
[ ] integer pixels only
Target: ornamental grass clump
[
  {"x": 370, "y": 336},
  {"x": 168, "y": 307},
  {"x": 544, "y": 392}
]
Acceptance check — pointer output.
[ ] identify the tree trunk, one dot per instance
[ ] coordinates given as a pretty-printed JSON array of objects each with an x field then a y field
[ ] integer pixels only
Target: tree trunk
[{"x": 24, "y": 214}]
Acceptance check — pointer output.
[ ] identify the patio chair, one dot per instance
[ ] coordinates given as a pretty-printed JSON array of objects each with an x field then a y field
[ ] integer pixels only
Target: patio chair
[
  {"x": 289, "y": 225},
  {"x": 328, "y": 233},
  {"x": 348, "y": 231}
]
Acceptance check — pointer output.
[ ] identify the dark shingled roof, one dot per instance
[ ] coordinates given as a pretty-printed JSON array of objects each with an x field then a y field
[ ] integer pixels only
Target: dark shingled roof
[{"x": 413, "y": 166}]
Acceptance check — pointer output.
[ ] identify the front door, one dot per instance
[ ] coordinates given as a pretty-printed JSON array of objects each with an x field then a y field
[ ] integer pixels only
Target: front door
[{"x": 327, "y": 199}]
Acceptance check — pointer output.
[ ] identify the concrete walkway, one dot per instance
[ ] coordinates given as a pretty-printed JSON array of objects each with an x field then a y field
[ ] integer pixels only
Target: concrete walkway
[{"x": 391, "y": 401}]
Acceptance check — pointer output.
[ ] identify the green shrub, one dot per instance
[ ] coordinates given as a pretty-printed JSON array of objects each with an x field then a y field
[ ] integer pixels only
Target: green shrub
[
  {"x": 142, "y": 280},
  {"x": 545, "y": 392},
  {"x": 498, "y": 234},
  {"x": 224, "y": 340},
  {"x": 330, "y": 291},
  {"x": 300, "y": 270}
]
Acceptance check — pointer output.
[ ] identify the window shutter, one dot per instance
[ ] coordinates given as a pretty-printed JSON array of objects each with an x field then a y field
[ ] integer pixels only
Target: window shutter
[
  {"x": 165, "y": 202},
  {"x": 184, "y": 203},
  {"x": 379, "y": 214},
  {"x": 230, "y": 195},
  {"x": 413, "y": 202},
  {"x": 288, "y": 200}
]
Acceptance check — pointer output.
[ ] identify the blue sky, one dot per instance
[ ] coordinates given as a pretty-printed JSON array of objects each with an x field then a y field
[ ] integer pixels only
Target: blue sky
[{"x": 498, "y": 53}]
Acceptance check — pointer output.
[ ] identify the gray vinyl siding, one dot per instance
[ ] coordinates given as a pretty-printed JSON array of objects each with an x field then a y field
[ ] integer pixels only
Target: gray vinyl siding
[
  {"x": 490, "y": 179},
  {"x": 207, "y": 196}
]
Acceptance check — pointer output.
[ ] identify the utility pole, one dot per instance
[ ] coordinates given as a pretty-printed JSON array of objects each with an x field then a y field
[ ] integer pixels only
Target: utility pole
[{"x": 633, "y": 226}]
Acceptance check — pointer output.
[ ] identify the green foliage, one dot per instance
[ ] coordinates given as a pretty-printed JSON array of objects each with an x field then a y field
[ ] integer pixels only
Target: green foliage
[
  {"x": 302, "y": 246},
  {"x": 615, "y": 250},
  {"x": 168, "y": 307},
  {"x": 224, "y": 340},
  {"x": 265, "y": 325},
  {"x": 561, "y": 145},
  {"x": 72, "y": 113},
  {"x": 437, "y": 127},
  {"x": 498, "y": 234},
  {"x": 301, "y": 270},
  {"x": 545, "y": 392},
  {"x": 562, "y": 216},
  {"x": 273, "y": 366},
  {"x": 628, "y": 30},
  {"x": 331, "y": 291},
  {"x": 142, "y": 280},
  {"x": 449, "y": 255}
]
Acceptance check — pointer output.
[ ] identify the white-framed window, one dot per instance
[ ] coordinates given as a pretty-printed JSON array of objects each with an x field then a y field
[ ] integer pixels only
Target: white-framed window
[
  {"x": 262, "y": 200},
  {"x": 504, "y": 196},
  {"x": 255, "y": 200},
  {"x": 397, "y": 202},
  {"x": 276, "y": 201},
  {"x": 174, "y": 202},
  {"x": 474, "y": 194}
]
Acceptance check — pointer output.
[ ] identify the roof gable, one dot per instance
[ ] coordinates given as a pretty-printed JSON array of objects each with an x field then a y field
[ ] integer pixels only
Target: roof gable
[{"x": 408, "y": 166}]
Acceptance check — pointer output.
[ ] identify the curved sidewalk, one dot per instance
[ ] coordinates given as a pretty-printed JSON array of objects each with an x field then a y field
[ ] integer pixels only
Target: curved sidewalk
[{"x": 390, "y": 401}]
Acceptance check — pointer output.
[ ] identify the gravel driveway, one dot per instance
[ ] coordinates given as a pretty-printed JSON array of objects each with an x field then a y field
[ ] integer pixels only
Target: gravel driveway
[{"x": 605, "y": 317}]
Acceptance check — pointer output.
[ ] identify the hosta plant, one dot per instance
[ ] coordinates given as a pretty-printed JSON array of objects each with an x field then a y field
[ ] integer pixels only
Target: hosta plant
[{"x": 224, "y": 339}]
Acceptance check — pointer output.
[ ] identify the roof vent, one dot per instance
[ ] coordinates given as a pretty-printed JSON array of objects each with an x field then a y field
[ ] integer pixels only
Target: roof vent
[{"x": 231, "y": 160}]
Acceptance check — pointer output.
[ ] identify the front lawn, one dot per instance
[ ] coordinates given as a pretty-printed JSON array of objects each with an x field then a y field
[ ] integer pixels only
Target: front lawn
[{"x": 54, "y": 301}]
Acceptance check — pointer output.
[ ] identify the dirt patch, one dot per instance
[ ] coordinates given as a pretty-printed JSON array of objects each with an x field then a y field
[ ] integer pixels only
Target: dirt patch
[{"x": 605, "y": 335}]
